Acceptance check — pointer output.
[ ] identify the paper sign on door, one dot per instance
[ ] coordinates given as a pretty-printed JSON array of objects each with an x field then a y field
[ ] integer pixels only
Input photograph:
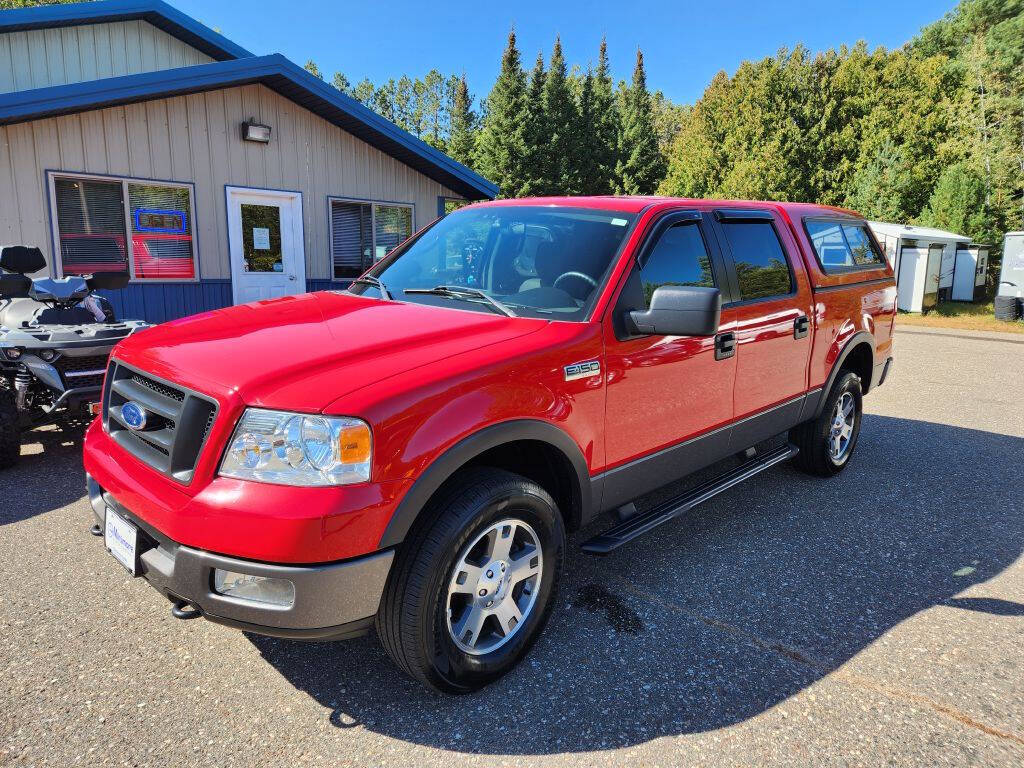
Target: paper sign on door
[{"x": 260, "y": 239}]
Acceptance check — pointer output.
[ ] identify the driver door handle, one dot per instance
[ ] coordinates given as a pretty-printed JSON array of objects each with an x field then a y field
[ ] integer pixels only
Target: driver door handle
[{"x": 725, "y": 345}]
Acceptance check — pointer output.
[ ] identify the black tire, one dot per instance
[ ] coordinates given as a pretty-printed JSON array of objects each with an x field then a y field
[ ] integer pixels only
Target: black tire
[
  {"x": 10, "y": 430},
  {"x": 412, "y": 621},
  {"x": 812, "y": 437}
]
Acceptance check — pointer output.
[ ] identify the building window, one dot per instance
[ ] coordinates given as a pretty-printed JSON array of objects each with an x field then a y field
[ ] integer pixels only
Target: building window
[
  {"x": 145, "y": 228},
  {"x": 364, "y": 233}
]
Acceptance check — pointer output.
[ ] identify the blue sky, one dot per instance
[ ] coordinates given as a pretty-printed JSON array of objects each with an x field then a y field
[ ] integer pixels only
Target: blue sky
[{"x": 684, "y": 43}]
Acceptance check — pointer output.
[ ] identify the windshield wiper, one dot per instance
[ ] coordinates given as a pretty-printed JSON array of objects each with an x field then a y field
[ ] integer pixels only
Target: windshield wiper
[
  {"x": 464, "y": 292},
  {"x": 371, "y": 280}
]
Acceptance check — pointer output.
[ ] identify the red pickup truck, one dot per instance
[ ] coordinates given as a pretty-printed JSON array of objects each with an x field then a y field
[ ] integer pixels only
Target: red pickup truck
[{"x": 411, "y": 453}]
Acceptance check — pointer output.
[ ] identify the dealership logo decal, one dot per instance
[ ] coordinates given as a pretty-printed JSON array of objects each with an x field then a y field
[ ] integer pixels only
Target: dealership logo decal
[
  {"x": 133, "y": 415},
  {"x": 582, "y": 370}
]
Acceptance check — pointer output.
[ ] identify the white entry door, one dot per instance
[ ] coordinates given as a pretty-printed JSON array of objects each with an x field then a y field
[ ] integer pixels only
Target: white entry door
[{"x": 265, "y": 239}]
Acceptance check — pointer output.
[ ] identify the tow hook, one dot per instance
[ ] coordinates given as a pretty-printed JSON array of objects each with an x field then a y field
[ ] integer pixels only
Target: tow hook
[
  {"x": 96, "y": 530},
  {"x": 184, "y": 610}
]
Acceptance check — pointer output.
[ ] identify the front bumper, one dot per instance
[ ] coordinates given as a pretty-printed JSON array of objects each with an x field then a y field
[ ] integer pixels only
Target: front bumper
[{"x": 332, "y": 601}]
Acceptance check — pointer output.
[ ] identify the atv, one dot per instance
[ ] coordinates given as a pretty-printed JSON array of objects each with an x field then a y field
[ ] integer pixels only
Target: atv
[{"x": 55, "y": 338}]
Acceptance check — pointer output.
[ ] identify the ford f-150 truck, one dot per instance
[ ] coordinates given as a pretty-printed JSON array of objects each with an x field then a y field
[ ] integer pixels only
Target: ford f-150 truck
[{"x": 411, "y": 453}]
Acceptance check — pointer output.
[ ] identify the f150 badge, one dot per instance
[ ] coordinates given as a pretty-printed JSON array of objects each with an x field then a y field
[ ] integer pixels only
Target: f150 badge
[{"x": 582, "y": 370}]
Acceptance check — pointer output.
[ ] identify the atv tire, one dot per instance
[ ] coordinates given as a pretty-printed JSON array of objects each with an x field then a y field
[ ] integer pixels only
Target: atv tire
[{"x": 10, "y": 430}]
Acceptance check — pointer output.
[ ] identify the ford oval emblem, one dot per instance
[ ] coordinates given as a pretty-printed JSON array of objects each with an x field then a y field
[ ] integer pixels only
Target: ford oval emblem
[{"x": 133, "y": 415}]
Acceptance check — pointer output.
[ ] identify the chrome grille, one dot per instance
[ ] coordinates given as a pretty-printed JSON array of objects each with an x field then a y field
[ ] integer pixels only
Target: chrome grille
[{"x": 178, "y": 420}]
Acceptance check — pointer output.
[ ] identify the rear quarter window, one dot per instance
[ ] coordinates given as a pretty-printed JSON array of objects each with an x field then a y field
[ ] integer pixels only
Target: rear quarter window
[{"x": 843, "y": 245}]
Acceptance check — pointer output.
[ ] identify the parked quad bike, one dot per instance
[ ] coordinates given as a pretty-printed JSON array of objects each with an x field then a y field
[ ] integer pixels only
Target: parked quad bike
[{"x": 55, "y": 338}]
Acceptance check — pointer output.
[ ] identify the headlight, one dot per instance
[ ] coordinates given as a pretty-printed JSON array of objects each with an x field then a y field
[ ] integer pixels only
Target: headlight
[
  {"x": 297, "y": 449},
  {"x": 12, "y": 353}
]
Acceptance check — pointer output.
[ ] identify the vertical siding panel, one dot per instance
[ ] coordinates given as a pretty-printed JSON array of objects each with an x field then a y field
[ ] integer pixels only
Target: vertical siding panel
[
  {"x": 115, "y": 133},
  {"x": 20, "y": 63},
  {"x": 178, "y": 150},
  {"x": 94, "y": 143},
  {"x": 55, "y": 57},
  {"x": 269, "y": 103},
  {"x": 159, "y": 139},
  {"x": 28, "y": 183},
  {"x": 118, "y": 50},
  {"x": 101, "y": 44},
  {"x": 10, "y": 218},
  {"x": 211, "y": 256},
  {"x": 137, "y": 125},
  {"x": 72, "y": 151},
  {"x": 232, "y": 117},
  {"x": 220, "y": 172},
  {"x": 6, "y": 65},
  {"x": 37, "y": 58},
  {"x": 255, "y": 154},
  {"x": 147, "y": 48},
  {"x": 71, "y": 63},
  {"x": 87, "y": 54},
  {"x": 133, "y": 42}
]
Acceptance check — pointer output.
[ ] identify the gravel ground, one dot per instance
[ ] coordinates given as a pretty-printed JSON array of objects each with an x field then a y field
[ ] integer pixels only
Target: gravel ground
[{"x": 875, "y": 618}]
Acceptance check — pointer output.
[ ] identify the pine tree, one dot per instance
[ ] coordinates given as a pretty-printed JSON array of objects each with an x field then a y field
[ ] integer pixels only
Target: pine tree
[
  {"x": 606, "y": 125},
  {"x": 535, "y": 134},
  {"x": 589, "y": 148},
  {"x": 562, "y": 122},
  {"x": 313, "y": 69},
  {"x": 364, "y": 92},
  {"x": 641, "y": 166},
  {"x": 500, "y": 146},
  {"x": 341, "y": 83},
  {"x": 461, "y": 138}
]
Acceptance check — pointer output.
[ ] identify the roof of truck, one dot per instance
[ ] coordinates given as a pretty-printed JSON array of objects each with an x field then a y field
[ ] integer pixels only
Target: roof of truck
[{"x": 637, "y": 203}]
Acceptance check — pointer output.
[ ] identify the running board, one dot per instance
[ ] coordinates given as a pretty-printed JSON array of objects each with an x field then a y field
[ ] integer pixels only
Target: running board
[{"x": 632, "y": 527}]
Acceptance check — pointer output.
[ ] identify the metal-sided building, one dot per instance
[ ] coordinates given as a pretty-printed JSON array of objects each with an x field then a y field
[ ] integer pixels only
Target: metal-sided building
[{"x": 133, "y": 138}]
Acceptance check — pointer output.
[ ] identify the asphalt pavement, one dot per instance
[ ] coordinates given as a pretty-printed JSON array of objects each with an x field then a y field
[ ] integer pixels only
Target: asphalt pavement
[{"x": 876, "y": 618}]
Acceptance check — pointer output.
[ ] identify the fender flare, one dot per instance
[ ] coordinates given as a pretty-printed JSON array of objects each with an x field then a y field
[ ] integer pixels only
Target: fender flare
[
  {"x": 854, "y": 341},
  {"x": 467, "y": 449}
]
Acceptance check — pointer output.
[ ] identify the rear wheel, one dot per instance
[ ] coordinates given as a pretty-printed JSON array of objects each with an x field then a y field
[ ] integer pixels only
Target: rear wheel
[
  {"x": 10, "y": 430},
  {"x": 473, "y": 587},
  {"x": 827, "y": 442}
]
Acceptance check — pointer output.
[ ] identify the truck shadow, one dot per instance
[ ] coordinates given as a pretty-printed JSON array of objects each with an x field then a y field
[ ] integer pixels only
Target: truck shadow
[
  {"x": 721, "y": 615},
  {"x": 54, "y": 453}
]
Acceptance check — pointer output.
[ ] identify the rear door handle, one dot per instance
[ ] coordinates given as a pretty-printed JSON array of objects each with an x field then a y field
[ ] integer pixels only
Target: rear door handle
[
  {"x": 801, "y": 327},
  {"x": 725, "y": 345}
]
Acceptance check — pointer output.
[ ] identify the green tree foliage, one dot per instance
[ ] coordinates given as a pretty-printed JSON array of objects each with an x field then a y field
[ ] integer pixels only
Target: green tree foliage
[
  {"x": 562, "y": 119},
  {"x": 462, "y": 124},
  {"x": 313, "y": 69},
  {"x": 10, "y": 5},
  {"x": 640, "y": 166},
  {"x": 958, "y": 205},
  {"x": 501, "y": 147},
  {"x": 535, "y": 134},
  {"x": 605, "y": 128}
]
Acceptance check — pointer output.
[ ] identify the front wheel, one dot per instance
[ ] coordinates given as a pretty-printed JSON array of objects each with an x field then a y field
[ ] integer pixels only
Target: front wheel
[
  {"x": 827, "y": 442},
  {"x": 10, "y": 429},
  {"x": 474, "y": 585}
]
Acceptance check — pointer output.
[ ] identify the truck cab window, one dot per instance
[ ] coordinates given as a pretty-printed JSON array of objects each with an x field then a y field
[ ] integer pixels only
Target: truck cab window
[
  {"x": 761, "y": 267},
  {"x": 678, "y": 258}
]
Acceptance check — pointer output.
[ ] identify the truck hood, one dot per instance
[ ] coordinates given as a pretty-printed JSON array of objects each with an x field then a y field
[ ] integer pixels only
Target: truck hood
[{"x": 303, "y": 352}]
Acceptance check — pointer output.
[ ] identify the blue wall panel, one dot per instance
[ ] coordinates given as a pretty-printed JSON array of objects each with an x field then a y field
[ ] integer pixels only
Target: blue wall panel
[{"x": 160, "y": 302}]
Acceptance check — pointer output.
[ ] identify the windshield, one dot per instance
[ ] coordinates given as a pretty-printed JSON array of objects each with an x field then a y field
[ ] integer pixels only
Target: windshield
[{"x": 537, "y": 261}]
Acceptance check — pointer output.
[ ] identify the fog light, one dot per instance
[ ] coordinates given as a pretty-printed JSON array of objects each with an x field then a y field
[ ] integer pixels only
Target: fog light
[
  {"x": 13, "y": 353},
  {"x": 255, "y": 589}
]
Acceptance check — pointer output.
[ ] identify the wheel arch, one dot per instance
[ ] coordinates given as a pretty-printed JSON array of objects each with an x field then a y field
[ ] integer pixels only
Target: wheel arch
[
  {"x": 858, "y": 355},
  {"x": 503, "y": 445}
]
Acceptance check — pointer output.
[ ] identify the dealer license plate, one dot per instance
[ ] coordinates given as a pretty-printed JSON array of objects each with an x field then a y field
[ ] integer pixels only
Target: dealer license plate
[{"x": 121, "y": 538}]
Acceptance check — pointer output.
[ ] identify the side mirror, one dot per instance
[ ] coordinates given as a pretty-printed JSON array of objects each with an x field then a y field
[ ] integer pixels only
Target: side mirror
[{"x": 678, "y": 310}]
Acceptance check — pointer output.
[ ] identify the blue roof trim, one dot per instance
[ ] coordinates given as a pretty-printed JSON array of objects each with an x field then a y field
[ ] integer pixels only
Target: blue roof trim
[
  {"x": 157, "y": 13},
  {"x": 275, "y": 72}
]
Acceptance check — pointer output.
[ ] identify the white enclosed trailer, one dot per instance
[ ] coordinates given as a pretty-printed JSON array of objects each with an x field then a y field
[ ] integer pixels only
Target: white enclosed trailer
[
  {"x": 924, "y": 260},
  {"x": 1011, "y": 274}
]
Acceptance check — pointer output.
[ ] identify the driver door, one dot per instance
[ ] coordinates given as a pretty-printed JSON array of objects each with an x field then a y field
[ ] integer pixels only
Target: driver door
[{"x": 669, "y": 398}]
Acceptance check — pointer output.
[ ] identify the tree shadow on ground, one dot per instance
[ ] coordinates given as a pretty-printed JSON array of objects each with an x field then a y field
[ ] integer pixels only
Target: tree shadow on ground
[
  {"x": 48, "y": 476},
  {"x": 718, "y": 616}
]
